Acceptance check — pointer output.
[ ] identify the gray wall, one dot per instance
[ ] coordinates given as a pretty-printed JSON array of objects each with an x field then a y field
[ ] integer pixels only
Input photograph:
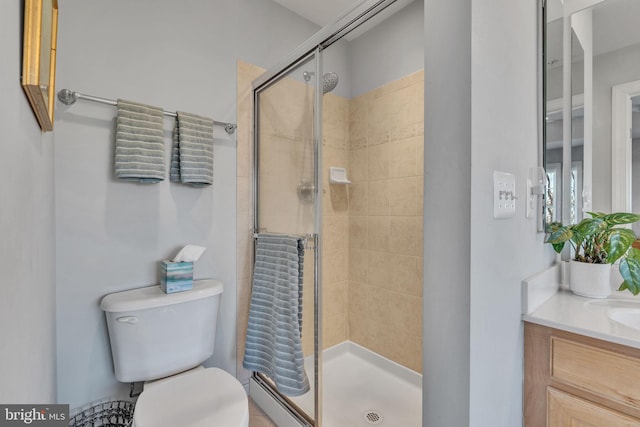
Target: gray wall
[
  {"x": 111, "y": 235},
  {"x": 447, "y": 213},
  {"x": 389, "y": 51},
  {"x": 503, "y": 74},
  {"x": 480, "y": 59},
  {"x": 27, "y": 259}
]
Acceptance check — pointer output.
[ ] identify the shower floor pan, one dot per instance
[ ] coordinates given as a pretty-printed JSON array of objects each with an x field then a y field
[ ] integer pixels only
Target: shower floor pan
[{"x": 362, "y": 389}]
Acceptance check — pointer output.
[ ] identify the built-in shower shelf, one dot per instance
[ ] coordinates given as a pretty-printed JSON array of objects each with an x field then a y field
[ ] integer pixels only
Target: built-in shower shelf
[{"x": 338, "y": 175}]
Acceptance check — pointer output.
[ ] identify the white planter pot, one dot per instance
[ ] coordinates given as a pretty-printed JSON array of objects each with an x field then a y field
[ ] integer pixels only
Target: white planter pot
[{"x": 590, "y": 280}]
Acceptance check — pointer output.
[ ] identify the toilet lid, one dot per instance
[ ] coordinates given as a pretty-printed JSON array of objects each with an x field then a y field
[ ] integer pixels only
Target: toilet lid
[{"x": 203, "y": 398}]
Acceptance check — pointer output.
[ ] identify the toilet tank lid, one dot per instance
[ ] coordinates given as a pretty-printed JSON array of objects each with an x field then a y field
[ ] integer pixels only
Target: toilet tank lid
[{"x": 154, "y": 296}]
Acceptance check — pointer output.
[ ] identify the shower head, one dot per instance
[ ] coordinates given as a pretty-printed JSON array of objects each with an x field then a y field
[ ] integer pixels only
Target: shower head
[{"x": 329, "y": 80}]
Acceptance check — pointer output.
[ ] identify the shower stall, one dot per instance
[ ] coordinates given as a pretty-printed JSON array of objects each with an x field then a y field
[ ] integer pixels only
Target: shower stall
[{"x": 344, "y": 173}]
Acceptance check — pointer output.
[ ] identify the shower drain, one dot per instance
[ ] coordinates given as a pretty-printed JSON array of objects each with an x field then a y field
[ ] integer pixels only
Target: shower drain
[{"x": 372, "y": 417}]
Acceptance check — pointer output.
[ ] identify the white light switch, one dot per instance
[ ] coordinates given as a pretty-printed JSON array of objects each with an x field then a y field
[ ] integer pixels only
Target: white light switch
[{"x": 504, "y": 195}]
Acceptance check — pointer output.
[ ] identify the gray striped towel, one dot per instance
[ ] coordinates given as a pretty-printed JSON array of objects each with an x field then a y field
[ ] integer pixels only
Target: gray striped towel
[
  {"x": 139, "y": 143},
  {"x": 192, "y": 151},
  {"x": 274, "y": 333}
]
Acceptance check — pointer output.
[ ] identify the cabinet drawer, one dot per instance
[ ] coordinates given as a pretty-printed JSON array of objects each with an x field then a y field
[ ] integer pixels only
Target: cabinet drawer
[
  {"x": 602, "y": 372},
  {"x": 567, "y": 410}
]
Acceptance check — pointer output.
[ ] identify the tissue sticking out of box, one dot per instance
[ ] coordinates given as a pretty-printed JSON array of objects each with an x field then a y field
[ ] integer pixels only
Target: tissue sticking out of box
[{"x": 190, "y": 253}]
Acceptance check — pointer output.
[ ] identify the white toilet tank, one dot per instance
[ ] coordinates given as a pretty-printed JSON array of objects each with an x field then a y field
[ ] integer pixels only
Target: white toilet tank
[{"x": 154, "y": 335}]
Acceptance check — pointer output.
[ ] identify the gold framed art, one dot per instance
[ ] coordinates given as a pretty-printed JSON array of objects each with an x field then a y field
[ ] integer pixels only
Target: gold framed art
[{"x": 39, "y": 58}]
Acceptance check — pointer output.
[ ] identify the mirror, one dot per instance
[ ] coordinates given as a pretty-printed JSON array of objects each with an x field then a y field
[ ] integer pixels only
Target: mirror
[
  {"x": 39, "y": 58},
  {"x": 598, "y": 87}
]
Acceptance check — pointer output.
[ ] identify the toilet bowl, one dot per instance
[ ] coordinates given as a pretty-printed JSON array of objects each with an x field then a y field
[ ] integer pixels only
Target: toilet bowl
[{"x": 199, "y": 398}]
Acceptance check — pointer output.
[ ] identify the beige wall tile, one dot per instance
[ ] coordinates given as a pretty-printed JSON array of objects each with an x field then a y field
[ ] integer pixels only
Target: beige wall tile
[
  {"x": 420, "y": 195},
  {"x": 358, "y": 169},
  {"x": 358, "y": 298},
  {"x": 403, "y": 160},
  {"x": 358, "y": 122},
  {"x": 244, "y": 249},
  {"x": 334, "y": 157},
  {"x": 337, "y": 202},
  {"x": 403, "y": 196},
  {"x": 335, "y": 265},
  {"x": 358, "y": 265},
  {"x": 407, "y": 273},
  {"x": 336, "y": 232},
  {"x": 358, "y": 329},
  {"x": 243, "y": 194},
  {"x": 378, "y": 198},
  {"x": 379, "y": 109},
  {"x": 358, "y": 198},
  {"x": 378, "y": 162},
  {"x": 408, "y": 316},
  {"x": 406, "y": 235},
  {"x": 380, "y": 269},
  {"x": 420, "y": 155},
  {"x": 358, "y": 232},
  {"x": 378, "y": 228}
]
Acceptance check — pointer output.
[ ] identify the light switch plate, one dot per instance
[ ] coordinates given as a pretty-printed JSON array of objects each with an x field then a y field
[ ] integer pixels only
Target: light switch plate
[{"x": 504, "y": 195}]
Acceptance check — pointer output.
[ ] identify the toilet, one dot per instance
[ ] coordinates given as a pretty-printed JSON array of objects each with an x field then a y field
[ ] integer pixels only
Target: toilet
[{"x": 162, "y": 339}]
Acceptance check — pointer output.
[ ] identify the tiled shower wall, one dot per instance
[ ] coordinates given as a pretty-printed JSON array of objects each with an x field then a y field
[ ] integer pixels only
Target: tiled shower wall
[
  {"x": 386, "y": 154},
  {"x": 372, "y": 228}
]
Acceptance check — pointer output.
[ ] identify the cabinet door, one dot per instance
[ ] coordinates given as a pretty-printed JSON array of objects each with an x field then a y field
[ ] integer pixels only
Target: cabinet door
[{"x": 566, "y": 410}]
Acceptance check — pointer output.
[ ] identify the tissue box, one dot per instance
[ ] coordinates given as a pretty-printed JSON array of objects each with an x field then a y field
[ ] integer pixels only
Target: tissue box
[{"x": 176, "y": 276}]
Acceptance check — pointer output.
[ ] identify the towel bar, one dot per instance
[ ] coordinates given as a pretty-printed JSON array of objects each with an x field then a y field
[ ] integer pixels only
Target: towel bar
[{"x": 69, "y": 97}]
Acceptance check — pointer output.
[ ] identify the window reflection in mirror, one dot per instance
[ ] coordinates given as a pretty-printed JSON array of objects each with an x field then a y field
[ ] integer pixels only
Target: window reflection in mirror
[
  {"x": 577, "y": 131},
  {"x": 553, "y": 121},
  {"x": 611, "y": 181},
  {"x": 635, "y": 156}
]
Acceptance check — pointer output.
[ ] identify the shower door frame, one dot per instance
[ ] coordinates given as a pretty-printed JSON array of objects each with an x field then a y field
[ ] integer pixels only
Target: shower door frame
[
  {"x": 316, "y": 57},
  {"x": 313, "y": 47}
]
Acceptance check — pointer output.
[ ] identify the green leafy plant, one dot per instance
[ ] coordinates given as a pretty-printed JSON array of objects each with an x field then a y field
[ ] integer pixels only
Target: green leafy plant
[{"x": 598, "y": 240}]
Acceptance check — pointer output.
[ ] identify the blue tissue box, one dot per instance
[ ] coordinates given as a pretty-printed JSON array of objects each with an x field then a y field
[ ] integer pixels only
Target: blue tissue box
[{"x": 176, "y": 276}]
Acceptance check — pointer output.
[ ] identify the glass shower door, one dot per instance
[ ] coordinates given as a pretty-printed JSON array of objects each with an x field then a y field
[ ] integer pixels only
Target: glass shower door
[{"x": 285, "y": 197}]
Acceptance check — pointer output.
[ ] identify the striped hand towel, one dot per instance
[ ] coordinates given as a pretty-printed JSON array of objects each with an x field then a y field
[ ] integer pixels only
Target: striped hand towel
[
  {"x": 139, "y": 143},
  {"x": 192, "y": 151},
  {"x": 274, "y": 333}
]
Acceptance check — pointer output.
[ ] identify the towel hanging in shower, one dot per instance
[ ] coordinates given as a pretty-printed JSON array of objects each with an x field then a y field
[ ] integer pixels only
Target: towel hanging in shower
[
  {"x": 139, "y": 143},
  {"x": 192, "y": 150},
  {"x": 274, "y": 333}
]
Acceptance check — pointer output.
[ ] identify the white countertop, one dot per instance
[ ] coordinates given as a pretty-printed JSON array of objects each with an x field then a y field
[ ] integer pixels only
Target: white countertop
[{"x": 587, "y": 316}]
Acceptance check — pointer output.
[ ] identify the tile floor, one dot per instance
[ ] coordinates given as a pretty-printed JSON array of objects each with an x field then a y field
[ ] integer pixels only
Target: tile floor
[{"x": 257, "y": 418}]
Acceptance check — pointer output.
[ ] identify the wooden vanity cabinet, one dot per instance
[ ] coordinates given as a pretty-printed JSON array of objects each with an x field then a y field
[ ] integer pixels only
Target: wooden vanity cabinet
[{"x": 575, "y": 381}]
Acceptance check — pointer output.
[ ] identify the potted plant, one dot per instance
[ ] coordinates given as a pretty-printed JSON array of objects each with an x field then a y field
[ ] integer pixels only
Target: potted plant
[{"x": 598, "y": 242}]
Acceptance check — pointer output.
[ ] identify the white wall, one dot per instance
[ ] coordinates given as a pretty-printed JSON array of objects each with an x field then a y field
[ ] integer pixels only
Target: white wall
[
  {"x": 391, "y": 50},
  {"x": 485, "y": 307},
  {"x": 111, "y": 235},
  {"x": 27, "y": 304}
]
